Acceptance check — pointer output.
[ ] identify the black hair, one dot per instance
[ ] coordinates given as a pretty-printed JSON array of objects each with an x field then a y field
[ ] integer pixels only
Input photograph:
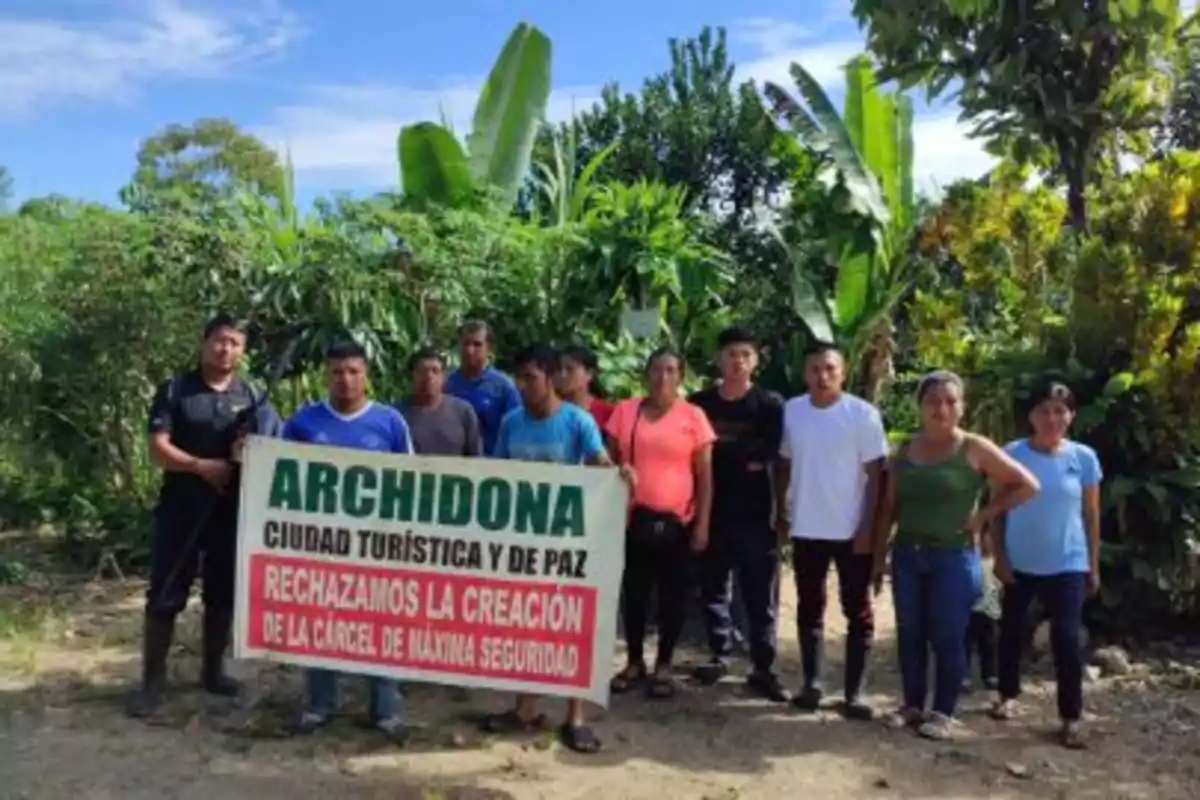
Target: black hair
[
  {"x": 939, "y": 377},
  {"x": 542, "y": 356},
  {"x": 341, "y": 351},
  {"x": 666, "y": 350},
  {"x": 736, "y": 335},
  {"x": 818, "y": 347},
  {"x": 586, "y": 358},
  {"x": 426, "y": 353},
  {"x": 222, "y": 320},
  {"x": 476, "y": 326},
  {"x": 1050, "y": 389}
]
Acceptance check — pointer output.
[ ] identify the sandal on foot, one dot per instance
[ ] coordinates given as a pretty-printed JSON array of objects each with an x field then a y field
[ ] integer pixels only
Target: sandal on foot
[
  {"x": 627, "y": 679},
  {"x": 1070, "y": 738},
  {"x": 512, "y": 722},
  {"x": 661, "y": 687},
  {"x": 904, "y": 718},
  {"x": 937, "y": 727},
  {"x": 1003, "y": 710},
  {"x": 579, "y": 738}
]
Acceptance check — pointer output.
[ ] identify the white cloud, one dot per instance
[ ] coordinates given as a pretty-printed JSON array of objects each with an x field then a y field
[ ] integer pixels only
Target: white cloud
[
  {"x": 45, "y": 61},
  {"x": 942, "y": 153},
  {"x": 348, "y": 133}
]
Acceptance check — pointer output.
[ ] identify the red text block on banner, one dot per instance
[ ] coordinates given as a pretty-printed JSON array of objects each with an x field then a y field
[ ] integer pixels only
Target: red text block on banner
[{"x": 422, "y": 621}]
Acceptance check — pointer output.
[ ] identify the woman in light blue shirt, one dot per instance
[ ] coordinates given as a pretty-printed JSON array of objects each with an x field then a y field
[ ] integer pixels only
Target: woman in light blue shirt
[{"x": 1049, "y": 548}]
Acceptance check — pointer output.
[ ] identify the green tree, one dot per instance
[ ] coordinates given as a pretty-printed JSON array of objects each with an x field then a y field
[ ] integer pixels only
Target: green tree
[
  {"x": 1182, "y": 127},
  {"x": 208, "y": 158},
  {"x": 1060, "y": 80}
]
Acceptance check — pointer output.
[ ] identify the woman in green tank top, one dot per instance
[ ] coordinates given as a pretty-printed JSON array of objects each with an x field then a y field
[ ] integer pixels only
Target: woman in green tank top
[{"x": 935, "y": 482}]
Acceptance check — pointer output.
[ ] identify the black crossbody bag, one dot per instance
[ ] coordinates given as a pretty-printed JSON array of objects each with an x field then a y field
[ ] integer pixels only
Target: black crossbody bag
[{"x": 647, "y": 525}]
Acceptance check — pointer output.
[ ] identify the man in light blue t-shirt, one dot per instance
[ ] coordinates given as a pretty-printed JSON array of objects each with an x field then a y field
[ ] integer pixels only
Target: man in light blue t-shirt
[
  {"x": 1049, "y": 548},
  {"x": 488, "y": 390},
  {"x": 349, "y": 419},
  {"x": 549, "y": 430}
]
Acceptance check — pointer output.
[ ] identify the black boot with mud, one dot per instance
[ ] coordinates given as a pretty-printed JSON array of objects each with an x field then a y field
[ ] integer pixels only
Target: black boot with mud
[
  {"x": 217, "y": 630},
  {"x": 156, "y": 643}
]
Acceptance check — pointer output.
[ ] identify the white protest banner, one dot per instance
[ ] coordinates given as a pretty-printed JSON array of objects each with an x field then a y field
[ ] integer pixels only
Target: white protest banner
[{"x": 473, "y": 572}]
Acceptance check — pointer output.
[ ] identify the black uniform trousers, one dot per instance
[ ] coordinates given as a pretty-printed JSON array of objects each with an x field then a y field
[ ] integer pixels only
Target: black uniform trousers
[
  {"x": 192, "y": 539},
  {"x": 751, "y": 551}
]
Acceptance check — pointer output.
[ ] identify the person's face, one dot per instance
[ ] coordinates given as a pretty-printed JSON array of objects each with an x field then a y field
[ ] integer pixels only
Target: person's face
[
  {"x": 474, "y": 349},
  {"x": 1051, "y": 419},
  {"x": 942, "y": 406},
  {"x": 428, "y": 378},
  {"x": 535, "y": 386},
  {"x": 223, "y": 349},
  {"x": 347, "y": 380},
  {"x": 825, "y": 373},
  {"x": 573, "y": 378},
  {"x": 663, "y": 377},
  {"x": 737, "y": 361}
]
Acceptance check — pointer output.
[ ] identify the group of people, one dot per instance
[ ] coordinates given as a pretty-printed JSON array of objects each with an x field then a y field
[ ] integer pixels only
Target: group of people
[{"x": 724, "y": 477}]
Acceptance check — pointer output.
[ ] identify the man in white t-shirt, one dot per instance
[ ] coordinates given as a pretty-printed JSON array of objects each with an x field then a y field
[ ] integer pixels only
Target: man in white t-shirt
[{"x": 833, "y": 452}]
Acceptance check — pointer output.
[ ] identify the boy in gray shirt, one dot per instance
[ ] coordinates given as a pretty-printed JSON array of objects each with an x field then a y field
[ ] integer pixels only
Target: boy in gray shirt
[{"x": 439, "y": 424}]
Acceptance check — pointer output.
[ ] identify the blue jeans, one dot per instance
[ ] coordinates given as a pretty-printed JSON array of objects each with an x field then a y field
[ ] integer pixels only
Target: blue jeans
[
  {"x": 933, "y": 590},
  {"x": 322, "y": 689}
]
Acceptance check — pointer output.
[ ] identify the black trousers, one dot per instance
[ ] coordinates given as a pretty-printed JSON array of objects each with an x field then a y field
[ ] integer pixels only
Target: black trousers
[
  {"x": 1063, "y": 596},
  {"x": 752, "y": 552},
  {"x": 981, "y": 640},
  {"x": 654, "y": 568},
  {"x": 177, "y": 557}
]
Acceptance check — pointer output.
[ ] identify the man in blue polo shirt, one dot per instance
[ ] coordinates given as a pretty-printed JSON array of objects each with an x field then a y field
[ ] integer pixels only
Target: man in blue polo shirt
[
  {"x": 489, "y": 391},
  {"x": 347, "y": 418}
]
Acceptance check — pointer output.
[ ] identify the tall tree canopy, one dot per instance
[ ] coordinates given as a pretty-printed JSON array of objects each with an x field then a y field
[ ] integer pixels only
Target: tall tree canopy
[{"x": 1068, "y": 75}]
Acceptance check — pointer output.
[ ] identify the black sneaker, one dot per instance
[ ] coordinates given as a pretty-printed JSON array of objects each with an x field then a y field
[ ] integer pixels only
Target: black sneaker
[
  {"x": 768, "y": 686},
  {"x": 711, "y": 672},
  {"x": 809, "y": 699}
]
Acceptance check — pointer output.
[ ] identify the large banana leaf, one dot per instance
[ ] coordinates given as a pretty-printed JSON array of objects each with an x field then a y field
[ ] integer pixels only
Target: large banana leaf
[
  {"x": 433, "y": 166},
  {"x": 510, "y": 111}
]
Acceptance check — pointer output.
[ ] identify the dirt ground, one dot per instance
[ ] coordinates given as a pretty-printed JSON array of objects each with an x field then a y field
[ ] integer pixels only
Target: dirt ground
[{"x": 67, "y": 657}]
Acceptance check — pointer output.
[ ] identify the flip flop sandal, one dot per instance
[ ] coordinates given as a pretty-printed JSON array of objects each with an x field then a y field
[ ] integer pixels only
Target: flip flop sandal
[
  {"x": 661, "y": 687},
  {"x": 579, "y": 738},
  {"x": 511, "y": 722},
  {"x": 627, "y": 679}
]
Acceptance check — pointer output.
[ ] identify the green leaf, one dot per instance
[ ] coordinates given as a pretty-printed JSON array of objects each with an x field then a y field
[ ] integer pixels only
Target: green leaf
[
  {"x": 433, "y": 166},
  {"x": 852, "y": 287},
  {"x": 1119, "y": 384},
  {"x": 510, "y": 111}
]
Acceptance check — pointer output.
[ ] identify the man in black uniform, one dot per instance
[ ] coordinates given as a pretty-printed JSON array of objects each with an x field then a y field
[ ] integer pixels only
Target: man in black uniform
[
  {"x": 748, "y": 422},
  {"x": 196, "y": 420}
]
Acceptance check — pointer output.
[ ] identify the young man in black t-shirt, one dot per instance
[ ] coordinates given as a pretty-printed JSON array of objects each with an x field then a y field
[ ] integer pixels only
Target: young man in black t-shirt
[
  {"x": 748, "y": 422},
  {"x": 196, "y": 420}
]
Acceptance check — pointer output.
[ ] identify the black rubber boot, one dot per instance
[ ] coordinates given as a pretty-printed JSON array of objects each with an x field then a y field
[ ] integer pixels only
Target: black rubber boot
[
  {"x": 809, "y": 698},
  {"x": 156, "y": 643},
  {"x": 857, "y": 651},
  {"x": 217, "y": 630}
]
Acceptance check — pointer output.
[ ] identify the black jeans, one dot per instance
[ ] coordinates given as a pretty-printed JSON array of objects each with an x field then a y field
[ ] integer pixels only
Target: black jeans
[
  {"x": 649, "y": 567},
  {"x": 1063, "y": 596},
  {"x": 177, "y": 548},
  {"x": 752, "y": 552},
  {"x": 811, "y": 559},
  {"x": 981, "y": 641}
]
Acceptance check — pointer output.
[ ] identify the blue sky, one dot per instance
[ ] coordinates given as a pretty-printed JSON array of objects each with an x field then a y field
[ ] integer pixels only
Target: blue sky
[{"x": 83, "y": 81}]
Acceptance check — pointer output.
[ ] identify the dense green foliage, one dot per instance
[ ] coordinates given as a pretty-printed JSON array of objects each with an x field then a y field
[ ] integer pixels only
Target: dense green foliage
[{"x": 692, "y": 196}]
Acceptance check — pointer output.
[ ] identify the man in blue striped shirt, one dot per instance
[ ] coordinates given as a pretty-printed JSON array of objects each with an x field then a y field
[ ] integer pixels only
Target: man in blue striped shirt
[{"x": 348, "y": 418}]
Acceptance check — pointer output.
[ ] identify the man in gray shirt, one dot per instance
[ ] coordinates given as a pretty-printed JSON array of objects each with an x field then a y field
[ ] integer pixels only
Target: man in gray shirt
[{"x": 440, "y": 424}]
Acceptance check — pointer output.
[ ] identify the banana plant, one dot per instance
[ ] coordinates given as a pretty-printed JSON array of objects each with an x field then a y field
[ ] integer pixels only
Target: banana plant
[
  {"x": 869, "y": 153},
  {"x": 434, "y": 166}
]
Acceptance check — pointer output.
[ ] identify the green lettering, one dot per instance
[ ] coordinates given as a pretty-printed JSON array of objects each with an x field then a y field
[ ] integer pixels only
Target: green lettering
[
  {"x": 568, "y": 512},
  {"x": 454, "y": 500},
  {"x": 320, "y": 488},
  {"x": 494, "y": 504},
  {"x": 285, "y": 485},
  {"x": 425, "y": 501},
  {"x": 533, "y": 507},
  {"x": 396, "y": 495},
  {"x": 354, "y": 481}
]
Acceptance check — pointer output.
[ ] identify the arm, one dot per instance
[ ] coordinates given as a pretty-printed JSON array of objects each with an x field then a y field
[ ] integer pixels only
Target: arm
[
  {"x": 1091, "y": 518},
  {"x": 473, "y": 439},
  {"x": 1012, "y": 483},
  {"x": 702, "y": 470},
  {"x": 864, "y": 537},
  {"x": 885, "y": 516},
  {"x": 163, "y": 453}
]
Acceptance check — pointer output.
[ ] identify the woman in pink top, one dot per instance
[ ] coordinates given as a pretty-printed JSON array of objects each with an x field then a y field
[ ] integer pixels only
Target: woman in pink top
[{"x": 667, "y": 442}]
